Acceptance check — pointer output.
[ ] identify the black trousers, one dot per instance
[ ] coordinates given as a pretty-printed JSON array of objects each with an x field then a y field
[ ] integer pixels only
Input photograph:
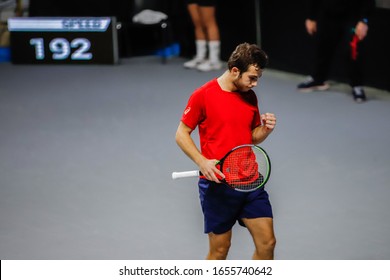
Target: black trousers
[{"x": 335, "y": 36}]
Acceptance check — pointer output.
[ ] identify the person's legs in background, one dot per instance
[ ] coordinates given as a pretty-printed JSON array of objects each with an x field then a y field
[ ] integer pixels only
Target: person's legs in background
[
  {"x": 327, "y": 39},
  {"x": 356, "y": 56},
  {"x": 200, "y": 37},
  {"x": 207, "y": 38},
  {"x": 214, "y": 44}
]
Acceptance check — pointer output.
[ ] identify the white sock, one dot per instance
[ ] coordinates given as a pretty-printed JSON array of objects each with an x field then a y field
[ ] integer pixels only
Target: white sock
[
  {"x": 201, "y": 49},
  {"x": 214, "y": 50}
]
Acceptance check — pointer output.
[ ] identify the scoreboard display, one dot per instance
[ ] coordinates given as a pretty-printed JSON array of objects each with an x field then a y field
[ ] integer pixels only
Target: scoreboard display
[{"x": 63, "y": 40}]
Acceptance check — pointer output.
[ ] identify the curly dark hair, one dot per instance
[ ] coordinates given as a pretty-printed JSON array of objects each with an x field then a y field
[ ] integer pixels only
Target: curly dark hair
[{"x": 246, "y": 55}]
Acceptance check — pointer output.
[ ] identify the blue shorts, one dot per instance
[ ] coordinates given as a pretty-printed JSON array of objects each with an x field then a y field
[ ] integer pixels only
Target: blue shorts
[{"x": 222, "y": 206}]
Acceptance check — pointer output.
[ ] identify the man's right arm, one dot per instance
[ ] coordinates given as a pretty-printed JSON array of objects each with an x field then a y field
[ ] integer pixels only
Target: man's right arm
[{"x": 186, "y": 143}]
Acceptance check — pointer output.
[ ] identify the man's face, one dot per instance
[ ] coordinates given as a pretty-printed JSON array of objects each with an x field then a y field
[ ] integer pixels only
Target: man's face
[{"x": 247, "y": 80}]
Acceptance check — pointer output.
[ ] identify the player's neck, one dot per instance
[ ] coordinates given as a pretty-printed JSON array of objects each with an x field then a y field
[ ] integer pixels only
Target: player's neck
[{"x": 225, "y": 82}]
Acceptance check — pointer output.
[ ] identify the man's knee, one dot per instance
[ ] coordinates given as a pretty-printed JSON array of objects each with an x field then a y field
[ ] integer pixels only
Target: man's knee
[
  {"x": 220, "y": 252},
  {"x": 271, "y": 243},
  {"x": 219, "y": 246},
  {"x": 267, "y": 245}
]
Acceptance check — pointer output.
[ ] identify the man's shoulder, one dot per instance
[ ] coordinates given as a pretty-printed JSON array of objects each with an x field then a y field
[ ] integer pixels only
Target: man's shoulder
[{"x": 207, "y": 86}]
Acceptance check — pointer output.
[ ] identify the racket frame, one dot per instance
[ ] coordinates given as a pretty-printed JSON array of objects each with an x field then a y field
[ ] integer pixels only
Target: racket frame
[{"x": 197, "y": 173}]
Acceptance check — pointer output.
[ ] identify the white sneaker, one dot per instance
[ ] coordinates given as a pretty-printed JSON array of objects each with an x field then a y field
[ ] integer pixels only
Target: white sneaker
[
  {"x": 193, "y": 63},
  {"x": 209, "y": 65}
]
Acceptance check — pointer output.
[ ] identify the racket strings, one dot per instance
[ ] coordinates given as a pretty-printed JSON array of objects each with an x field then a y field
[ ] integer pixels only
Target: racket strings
[{"x": 242, "y": 169}]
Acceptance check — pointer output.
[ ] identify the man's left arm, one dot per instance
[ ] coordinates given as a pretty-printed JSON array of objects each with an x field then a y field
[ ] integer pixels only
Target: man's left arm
[{"x": 260, "y": 133}]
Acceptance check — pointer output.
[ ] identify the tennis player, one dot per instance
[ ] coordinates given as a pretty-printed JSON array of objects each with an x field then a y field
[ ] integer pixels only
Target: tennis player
[{"x": 225, "y": 110}]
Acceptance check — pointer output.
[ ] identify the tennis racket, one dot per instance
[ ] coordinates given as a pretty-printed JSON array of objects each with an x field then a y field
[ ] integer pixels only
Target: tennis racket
[{"x": 246, "y": 168}]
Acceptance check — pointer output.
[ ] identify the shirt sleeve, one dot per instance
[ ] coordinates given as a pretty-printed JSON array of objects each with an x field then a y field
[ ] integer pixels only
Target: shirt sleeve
[{"x": 194, "y": 112}]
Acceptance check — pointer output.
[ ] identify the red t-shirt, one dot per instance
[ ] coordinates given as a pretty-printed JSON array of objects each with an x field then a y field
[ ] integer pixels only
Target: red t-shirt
[{"x": 225, "y": 119}]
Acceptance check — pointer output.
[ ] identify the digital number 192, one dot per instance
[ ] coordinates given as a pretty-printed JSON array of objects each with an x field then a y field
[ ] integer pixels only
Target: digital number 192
[{"x": 61, "y": 48}]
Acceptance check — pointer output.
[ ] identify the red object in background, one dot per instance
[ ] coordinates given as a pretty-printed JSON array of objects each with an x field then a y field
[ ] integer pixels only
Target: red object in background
[{"x": 354, "y": 42}]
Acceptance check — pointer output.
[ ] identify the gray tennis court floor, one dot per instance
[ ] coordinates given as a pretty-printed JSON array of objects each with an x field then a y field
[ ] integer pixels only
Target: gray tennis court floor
[{"x": 86, "y": 155}]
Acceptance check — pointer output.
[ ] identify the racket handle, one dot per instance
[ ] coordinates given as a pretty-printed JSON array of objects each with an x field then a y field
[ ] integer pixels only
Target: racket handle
[{"x": 185, "y": 174}]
